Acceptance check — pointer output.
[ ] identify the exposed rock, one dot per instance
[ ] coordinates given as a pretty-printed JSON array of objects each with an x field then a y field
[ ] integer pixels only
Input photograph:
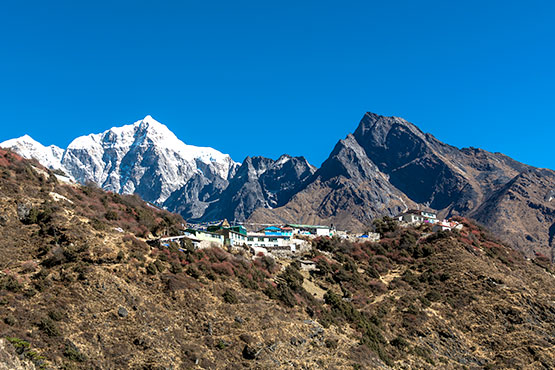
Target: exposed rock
[
  {"x": 260, "y": 182},
  {"x": 249, "y": 352},
  {"x": 9, "y": 359},
  {"x": 348, "y": 191},
  {"x": 122, "y": 312},
  {"x": 520, "y": 214},
  {"x": 23, "y": 210}
]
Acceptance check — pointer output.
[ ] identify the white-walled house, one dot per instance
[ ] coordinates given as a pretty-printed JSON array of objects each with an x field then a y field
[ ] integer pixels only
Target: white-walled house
[
  {"x": 234, "y": 238},
  {"x": 318, "y": 230},
  {"x": 447, "y": 226},
  {"x": 263, "y": 240},
  {"x": 416, "y": 216},
  {"x": 277, "y": 244}
]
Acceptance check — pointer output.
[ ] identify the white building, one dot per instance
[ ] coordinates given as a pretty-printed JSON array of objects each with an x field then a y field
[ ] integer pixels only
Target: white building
[
  {"x": 277, "y": 244},
  {"x": 234, "y": 238},
  {"x": 447, "y": 226},
  {"x": 207, "y": 239},
  {"x": 416, "y": 216},
  {"x": 317, "y": 230},
  {"x": 263, "y": 240}
]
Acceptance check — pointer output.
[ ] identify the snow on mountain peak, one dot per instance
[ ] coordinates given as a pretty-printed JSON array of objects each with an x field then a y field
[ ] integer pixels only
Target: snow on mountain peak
[
  {"x": 126, "y": 158},
  {"x": 144, "y": 157},
  {"x": 27, "y": 147}
]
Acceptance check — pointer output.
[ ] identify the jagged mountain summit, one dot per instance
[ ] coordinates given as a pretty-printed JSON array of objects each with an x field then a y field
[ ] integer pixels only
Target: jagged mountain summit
[
  {"x": 389, "y": 164},
  {"x": 261, "y": 183},
  {"x": 144, "y": 158},
  {"x": 348, "y": 191}
]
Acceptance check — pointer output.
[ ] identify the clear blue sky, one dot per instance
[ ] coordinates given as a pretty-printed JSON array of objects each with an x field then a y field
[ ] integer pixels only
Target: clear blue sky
[{"x": 273, "y": 77}]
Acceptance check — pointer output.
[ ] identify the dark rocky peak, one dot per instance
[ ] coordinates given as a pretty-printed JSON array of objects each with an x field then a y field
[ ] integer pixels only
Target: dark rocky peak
[
  {"x": 348, "y": 159},
  {"x": 260, "y": 182},
  {"x": 392, "y": 142},
  {"x": 376, "y": 128},
  {"x": 251, "y": 168},
  {"x": 296, "y": 166},
  {"x": 261, "y": 167}
]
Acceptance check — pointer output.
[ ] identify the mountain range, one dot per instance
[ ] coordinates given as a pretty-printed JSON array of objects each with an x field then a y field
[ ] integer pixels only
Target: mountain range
[{"x": 385, "y": 166}]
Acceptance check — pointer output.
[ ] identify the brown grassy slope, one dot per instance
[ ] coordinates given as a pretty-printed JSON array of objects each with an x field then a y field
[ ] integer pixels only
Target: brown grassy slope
[
  {"x": 84, "y": 295},
  {"x": 449, "y": 300},
  {"x": 87, "y": 296}
]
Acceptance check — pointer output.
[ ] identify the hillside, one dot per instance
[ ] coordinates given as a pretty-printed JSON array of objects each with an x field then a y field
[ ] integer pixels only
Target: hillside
[{"x": 80, "y": 288}]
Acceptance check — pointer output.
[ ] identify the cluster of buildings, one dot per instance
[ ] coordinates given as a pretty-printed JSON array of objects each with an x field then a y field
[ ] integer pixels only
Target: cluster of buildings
[
  {"x": 285, "y": 240},
  {"x": 277, "y": 240},
  {"x": 414, "y": 216}
]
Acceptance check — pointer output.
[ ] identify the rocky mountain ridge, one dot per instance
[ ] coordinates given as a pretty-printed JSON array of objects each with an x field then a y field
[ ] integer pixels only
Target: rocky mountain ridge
[
  {"x": 388, "y": 164},
  {"x": 145, "y": 158},
  {"x": 385, "y": 166}
]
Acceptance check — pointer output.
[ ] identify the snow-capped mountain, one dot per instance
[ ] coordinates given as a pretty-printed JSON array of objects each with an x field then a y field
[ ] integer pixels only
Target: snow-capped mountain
[
  {"x": 27, "y": 147},
  {"x": 144, "y": 158}
]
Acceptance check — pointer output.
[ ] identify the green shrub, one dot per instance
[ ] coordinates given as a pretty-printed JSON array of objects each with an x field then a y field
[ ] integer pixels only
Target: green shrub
[
  {"x": 48, "y": 326},
  {"x": 56, "y": 315},
  {"x": 229, "y": 296},
  {"x": 10, "y": 320},
  {"x": 433, "y": 296},
  {"x": 72, "y": 353},
  {"x": 175, "y": 268},
  {"x": 111, "y": 216},
  {"x": 159, "y": 265},
  {"x": 292, "y": 277},
  {"x": 385, "y": 225},
  {"x": 11, "y": 284},
  {"x": 399, "y": 342},
  {"x": 193, "y": 272}
]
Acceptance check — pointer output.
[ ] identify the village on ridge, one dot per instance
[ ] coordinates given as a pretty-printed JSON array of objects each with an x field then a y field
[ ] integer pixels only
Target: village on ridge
[{"x": 285, "y": 240}]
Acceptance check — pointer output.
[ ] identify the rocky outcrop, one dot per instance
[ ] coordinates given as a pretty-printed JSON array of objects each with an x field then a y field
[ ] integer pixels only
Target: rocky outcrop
[
  {"x": 347, "y": 191},
  {"x": 260, "y": 183}
]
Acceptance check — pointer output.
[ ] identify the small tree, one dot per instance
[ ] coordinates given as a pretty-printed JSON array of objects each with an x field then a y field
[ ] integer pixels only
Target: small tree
[{"x": 385, "y": 225}]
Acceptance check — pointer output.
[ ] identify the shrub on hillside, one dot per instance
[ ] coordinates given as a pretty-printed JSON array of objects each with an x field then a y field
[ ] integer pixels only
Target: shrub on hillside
[
  {"x": 385, "y": 225},
  {"x": 230, "y": 296},
  {"x": 223, "y": 268}
]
